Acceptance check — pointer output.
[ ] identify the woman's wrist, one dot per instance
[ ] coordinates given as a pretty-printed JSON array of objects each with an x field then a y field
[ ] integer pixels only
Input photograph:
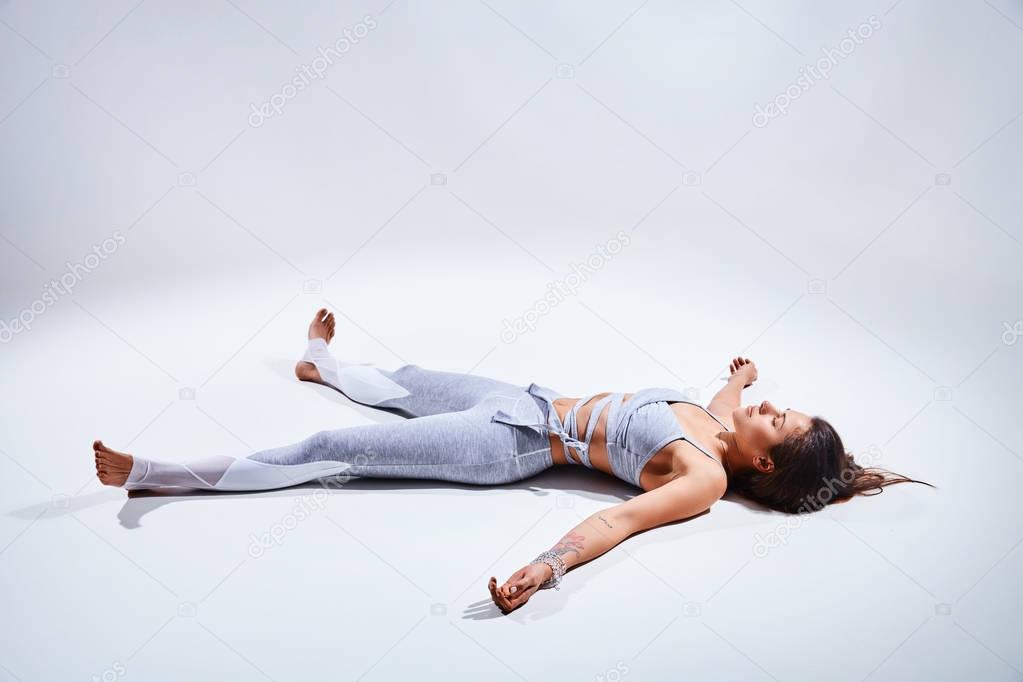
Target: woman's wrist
[
  {"x": 556, "y": 565},
  {"x": 546, "y": 568}
]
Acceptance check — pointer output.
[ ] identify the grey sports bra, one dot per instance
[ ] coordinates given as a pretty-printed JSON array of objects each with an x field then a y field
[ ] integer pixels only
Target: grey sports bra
[{"x": 636, "y": 428}]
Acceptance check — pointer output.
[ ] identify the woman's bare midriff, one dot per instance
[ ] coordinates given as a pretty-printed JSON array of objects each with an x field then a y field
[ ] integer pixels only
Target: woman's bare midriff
[
  {"x": 598, "y": 444},
  {"x": 663, "y": 467}
]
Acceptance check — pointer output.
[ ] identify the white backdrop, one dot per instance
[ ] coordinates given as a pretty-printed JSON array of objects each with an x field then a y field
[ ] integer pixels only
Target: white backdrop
[{"x": 590, "y": 196}]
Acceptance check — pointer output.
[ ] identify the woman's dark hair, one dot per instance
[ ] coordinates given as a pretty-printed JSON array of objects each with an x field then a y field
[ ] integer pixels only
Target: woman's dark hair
[{"x": 812, "y": 470}]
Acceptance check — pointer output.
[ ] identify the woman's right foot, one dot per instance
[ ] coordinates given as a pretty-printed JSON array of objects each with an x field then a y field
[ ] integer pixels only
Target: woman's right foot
[
  {"x": 112, "y": 467},
  {"x": 322, "y": 327}
]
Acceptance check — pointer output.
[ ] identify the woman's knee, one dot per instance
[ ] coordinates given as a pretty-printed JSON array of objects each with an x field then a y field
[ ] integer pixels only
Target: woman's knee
[
  {"x": 406, "y": 369},
  {"x": 319, "y": 445},
  {"x": 335, "y": 444}
]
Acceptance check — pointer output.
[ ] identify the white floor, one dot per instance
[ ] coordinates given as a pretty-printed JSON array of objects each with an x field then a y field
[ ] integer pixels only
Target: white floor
[{"x": 595, "y": 170}]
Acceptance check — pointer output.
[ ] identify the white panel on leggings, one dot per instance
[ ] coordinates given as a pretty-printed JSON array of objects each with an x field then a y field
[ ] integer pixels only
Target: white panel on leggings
[
  {"x": 227, "y": 473},
  {"x": 362, "y": 383}
]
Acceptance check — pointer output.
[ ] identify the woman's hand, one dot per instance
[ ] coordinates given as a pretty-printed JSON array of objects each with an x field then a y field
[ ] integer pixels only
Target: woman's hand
[
  {"x": 517, "y": 590},
  {"x": 744, "y": 369}
]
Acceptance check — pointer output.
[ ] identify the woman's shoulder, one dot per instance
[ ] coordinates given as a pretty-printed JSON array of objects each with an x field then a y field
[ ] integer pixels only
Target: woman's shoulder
[{"x": 689, "y": 460}]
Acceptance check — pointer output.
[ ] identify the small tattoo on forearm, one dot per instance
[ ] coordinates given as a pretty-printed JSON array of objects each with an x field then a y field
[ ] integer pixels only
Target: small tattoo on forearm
[
  {"x": 606, "y": 523},
  {"x": 573, "y": 542}
]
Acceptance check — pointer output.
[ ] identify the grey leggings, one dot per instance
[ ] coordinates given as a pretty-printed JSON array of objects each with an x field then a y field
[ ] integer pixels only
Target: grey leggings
[{"x": 448, "y": 435}]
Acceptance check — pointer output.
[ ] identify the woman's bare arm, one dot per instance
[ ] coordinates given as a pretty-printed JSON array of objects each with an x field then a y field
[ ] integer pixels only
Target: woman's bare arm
[
  {"x": 729, "y": 397},
  {"x": 683, "y": 497},
  {"x": 744, "y": 373}
]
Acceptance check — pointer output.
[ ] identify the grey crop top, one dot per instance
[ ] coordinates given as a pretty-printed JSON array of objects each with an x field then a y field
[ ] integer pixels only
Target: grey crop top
[{"x": 636, "y": 428}]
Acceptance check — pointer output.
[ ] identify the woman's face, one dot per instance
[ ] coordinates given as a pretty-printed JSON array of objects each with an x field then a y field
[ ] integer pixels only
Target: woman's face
[{"x": 758, "y": 428}]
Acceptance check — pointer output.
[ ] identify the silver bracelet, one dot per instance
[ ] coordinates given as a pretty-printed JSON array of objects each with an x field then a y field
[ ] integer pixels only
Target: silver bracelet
[{"x": 557, "y": 565}]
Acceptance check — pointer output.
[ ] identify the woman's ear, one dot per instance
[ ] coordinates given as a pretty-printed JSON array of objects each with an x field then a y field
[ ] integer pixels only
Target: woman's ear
[{"x": 763, "y": 463}]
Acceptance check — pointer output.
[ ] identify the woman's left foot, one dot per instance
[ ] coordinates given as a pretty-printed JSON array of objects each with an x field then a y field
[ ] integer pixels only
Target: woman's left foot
[{"x": 322, "y": 327}]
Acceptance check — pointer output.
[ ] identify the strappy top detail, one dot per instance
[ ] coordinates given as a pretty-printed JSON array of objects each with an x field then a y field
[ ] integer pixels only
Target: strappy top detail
[{"x": 636, "y": 428}]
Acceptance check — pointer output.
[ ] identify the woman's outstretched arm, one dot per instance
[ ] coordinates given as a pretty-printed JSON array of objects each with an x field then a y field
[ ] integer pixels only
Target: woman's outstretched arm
[
  {"x": 744, "y": 373},
  {"x": 683, "y": 497}
]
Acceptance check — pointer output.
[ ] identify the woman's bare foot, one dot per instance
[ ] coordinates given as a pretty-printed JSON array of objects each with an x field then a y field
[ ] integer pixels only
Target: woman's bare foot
[
  {"x": 322, "y": 327},
  {"x": 112, "y": 467}
]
